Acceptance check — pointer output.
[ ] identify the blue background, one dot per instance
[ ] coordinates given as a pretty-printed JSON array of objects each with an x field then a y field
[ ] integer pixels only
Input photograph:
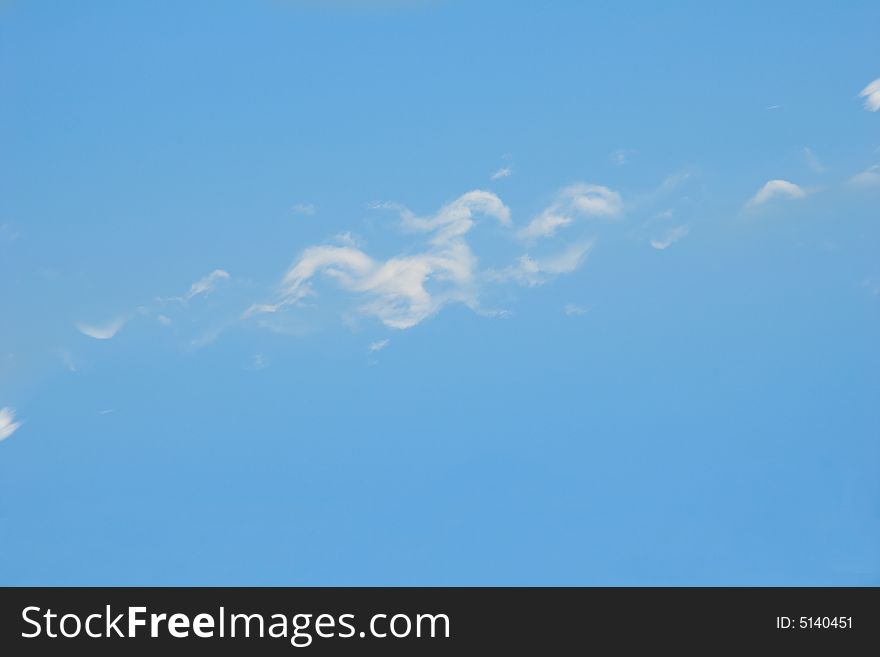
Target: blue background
[{"x": 712, "y": 419}]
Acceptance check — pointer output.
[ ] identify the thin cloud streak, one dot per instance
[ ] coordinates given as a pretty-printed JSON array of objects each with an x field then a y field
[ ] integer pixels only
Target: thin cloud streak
[
  {"x": 813, "y": 160},
  {"x": 672, "y": 236},
  {"x": 574, "y": 310},
  {"x": 378, "y": 345},
  {"x": 537, "y": 271},
  {"x": 206, "y": 284}
]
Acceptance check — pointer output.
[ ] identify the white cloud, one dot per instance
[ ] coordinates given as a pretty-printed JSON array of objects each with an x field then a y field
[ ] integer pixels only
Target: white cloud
[
  {"x": 871, "y": 94},
  {"x": 378, "y": 346},
  {"x": 102, "y": 332},
  {"x": 307, "y": 209},
  {"x": 574, "y": 310},
  {"x": 8, "y": 425},
  {"x": 672, "y": 235},
  {"x": 868, "y": 177},
  {"x": 164, "y": 320},
  {"x": 261, "y": 308},
  {"x": 206, "y": 284},
  {"x": 578, "y": 200},
  {"x": 773, "y": 189},
  {"x": 503, "y": 172},
  {"x": 455, "y": 219},
  {"x": 394, "y": 290}
]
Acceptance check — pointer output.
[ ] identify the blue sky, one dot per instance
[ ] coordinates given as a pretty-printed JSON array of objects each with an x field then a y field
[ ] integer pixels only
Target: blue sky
[{"x": 439, "y": 293}]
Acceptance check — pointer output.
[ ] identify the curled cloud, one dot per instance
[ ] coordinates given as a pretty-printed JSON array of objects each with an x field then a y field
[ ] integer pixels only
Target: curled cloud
[
  {"x": 672, "y": 236},
  {"x": 455, "y": 219},
  {"x": 8, "y": 425},
  {"x": 102, "y": 332},
  {"x": 871, "y": 94},
  {"x": 395, "y": 290},
  {"x": 206, "y": 284},
  {"x": 775, "y": 189},
  {"x": 870, "y": 177},
  {"x": 578, "y": 200}
]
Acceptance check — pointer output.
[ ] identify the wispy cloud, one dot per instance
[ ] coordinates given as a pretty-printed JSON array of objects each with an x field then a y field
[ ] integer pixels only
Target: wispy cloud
[
  {"x": 672, "y": 236},
  {"x": 157, "y": 309},
  {"x": 573, "y": 202},
  {"x": 872, "y": 285},
  {"x": 102, "y": 331},
  {"x": 307, "y": 209},
  {"x": 775, "y": 189},
  {"x": 813, "y": 160},
  {"x": 673, "y": 181},
  {"x": 537, "y": 271},
  {"x": 620, "y": 157},
  {"x": 208, "y": 336},
  {"x": 574, "y": 310},
  {"x": 394, "y": 290},
  {"x": 503, "y": 172},
  {"x": 378, "y": 346},
  {"x": 67, "y": 359},
  {"x": 8, "y": 424},
  {"x": 869, "y": 177},
  {"x": 871, "y": 94},
  {"x": 346, "y": 239},
  {"x": 8, "y": 233},
  {"x": 206, "y": 284}
]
